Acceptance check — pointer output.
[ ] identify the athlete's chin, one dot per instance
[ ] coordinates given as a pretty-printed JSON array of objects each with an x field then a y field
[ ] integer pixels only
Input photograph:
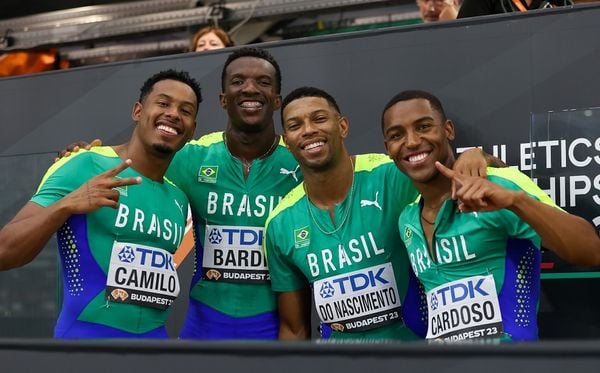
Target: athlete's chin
[
  {"x": 163, "y": 150},
  {"x": 316, "y": 165},
  {"x": 421, "y": 176}
]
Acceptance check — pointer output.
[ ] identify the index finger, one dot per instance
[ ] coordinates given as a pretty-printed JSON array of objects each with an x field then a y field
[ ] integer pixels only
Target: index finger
[
  {"x": 116, "y": 170},
  {"x": 449, "y": 173},
  {"x": 119, "y": 182}
]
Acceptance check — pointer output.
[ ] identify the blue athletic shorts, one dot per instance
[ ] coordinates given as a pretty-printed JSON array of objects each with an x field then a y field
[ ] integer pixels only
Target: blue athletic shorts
[{"x": 203, "y": 322}]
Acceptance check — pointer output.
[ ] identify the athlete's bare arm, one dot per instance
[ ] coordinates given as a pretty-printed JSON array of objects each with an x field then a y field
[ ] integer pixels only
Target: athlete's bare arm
[
  {"x": 569, "y": 236},
  {"x": 27, "y": 233},
  {"x": 294, "y": 315}
]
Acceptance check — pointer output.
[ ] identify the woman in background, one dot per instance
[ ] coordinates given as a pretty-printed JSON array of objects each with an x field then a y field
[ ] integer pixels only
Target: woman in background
[{"x": 209, "y": 38}]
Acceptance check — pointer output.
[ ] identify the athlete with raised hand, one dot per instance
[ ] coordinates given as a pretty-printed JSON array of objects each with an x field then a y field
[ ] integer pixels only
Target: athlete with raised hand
[
  {"x": 118, "y": 221},
  {"x": 476, "y": 250},
  {"x": 334, "y": 235},
  {"x": 233, "y": 179}
]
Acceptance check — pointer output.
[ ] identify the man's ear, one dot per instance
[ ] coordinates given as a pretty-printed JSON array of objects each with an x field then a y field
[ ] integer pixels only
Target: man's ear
[
  {"x": 223, "y": 100},
  {"x": 449, "y": 128},
  {"x": 278, "y": 102},
  {"x": 136, "y": 112},
  {"x": 344, "y": 126}
]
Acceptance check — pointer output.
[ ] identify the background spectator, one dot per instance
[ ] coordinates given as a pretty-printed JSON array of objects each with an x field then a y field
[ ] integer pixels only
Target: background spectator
[
  {"x": 210, "y": 37},
  {"x": 473, "y": 8},
  {"x": 438, "y": 10}
]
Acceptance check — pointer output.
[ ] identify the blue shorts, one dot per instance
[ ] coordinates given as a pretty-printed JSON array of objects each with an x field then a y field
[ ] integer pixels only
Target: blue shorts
[
  {"x": 203, "y": 322},
  {"x": 87, "y": 330}
]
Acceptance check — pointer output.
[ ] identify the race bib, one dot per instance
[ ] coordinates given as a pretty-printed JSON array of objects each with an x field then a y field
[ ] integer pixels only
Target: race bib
[
  {"x": 360, "y": 300},
  {"x": 234, "y": 254},
  {"x": 141, "y": 275},
  {"x": 464, "y": 309}
]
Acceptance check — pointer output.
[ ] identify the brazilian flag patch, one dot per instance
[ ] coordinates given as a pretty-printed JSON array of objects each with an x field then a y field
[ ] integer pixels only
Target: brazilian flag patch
[{"x": 208, "y": 174}]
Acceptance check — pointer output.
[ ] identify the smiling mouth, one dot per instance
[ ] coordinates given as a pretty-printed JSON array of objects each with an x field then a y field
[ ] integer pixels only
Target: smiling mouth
[
  {"x": 167, "y": 129},
  {"x": 314, "y": 145},
  {"x": 254, "y": 105},
  {"x": 417, "y": 158}
]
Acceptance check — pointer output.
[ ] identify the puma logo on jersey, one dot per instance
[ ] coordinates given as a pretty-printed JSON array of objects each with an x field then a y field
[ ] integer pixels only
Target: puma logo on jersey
[
  {"x": 366, "y": 202},
  {"x": 283, "y": 171},
  {"x": 179, "y": 206}
]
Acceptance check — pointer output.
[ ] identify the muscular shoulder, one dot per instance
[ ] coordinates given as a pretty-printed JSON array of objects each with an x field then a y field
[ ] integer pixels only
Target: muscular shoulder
[
  {"x": 287, "y": 206},
  {"x": 512, "y": 178}
]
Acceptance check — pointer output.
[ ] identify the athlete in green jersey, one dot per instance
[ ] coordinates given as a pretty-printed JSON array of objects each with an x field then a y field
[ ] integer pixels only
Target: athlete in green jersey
[
  {"x": 356, "y": 271},
  {"x": 115, "y": 237},
  {"x": 332, "y": 233},
  {"x": 233, "y": 180},
  {"x": 231, "y": 296},
  {"x": 478, "y": 258}
]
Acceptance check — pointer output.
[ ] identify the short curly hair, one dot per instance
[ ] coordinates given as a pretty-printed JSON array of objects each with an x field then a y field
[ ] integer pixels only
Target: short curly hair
[{"x": 180, "y": 76}]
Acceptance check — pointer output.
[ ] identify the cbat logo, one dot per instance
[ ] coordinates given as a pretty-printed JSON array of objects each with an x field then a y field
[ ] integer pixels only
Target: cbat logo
[
  {"x": 301, "y": 237},
  {"x": 326, "y": 291},
  {"x": 434, "y": 302},
  {"x": 208, "y": 174},
  {"x": 127, "y": 254},
  {"x": 214, "y": 236}
]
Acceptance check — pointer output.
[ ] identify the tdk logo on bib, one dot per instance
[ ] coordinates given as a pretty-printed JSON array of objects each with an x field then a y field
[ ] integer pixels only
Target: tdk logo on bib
[
  {"x": 155, "y": 258},
  {"x": 215, "y": 237},
  {"x": 236, "y": 236},
  {"x": 361, "y": 281},
  {"x": 461, "y": 291},
  {"x": 434, "y": 302},
  {"x": 126, "y": 254},
  {"x": 327, "y": 291}
]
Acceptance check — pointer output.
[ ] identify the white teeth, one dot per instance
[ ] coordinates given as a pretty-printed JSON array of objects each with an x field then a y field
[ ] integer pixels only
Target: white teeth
[
  {"x": 417, "y": 157},
  {"x": 313, "y": 145},
  {"x": 251, "y": 104},
  {"x": 168, "y": 129}
]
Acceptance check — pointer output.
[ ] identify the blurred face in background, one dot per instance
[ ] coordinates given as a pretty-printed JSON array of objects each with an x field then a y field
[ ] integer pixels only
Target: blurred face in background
[
  {"x": 432, "y": 9},
  {"x": 209, "y": 41}
]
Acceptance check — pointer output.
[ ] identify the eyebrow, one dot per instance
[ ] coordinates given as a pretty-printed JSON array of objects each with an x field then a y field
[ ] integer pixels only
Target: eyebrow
[
  {"x": 318, "y": 111},
  {"x": 164, "y": 95},
  {"x": 395, "y": 125}
]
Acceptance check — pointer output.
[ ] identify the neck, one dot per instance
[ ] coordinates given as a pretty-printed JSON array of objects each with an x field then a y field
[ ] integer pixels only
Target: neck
[
  {"x": 327, "y": 188},
  {"x": 248, "y": 146},
  {"x": 147, "y": 163},
  {"x": 434, "y": 192}
]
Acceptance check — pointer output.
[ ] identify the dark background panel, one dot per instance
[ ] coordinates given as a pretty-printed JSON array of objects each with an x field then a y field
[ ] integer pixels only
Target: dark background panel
[{"x": 491, "y": 74}]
